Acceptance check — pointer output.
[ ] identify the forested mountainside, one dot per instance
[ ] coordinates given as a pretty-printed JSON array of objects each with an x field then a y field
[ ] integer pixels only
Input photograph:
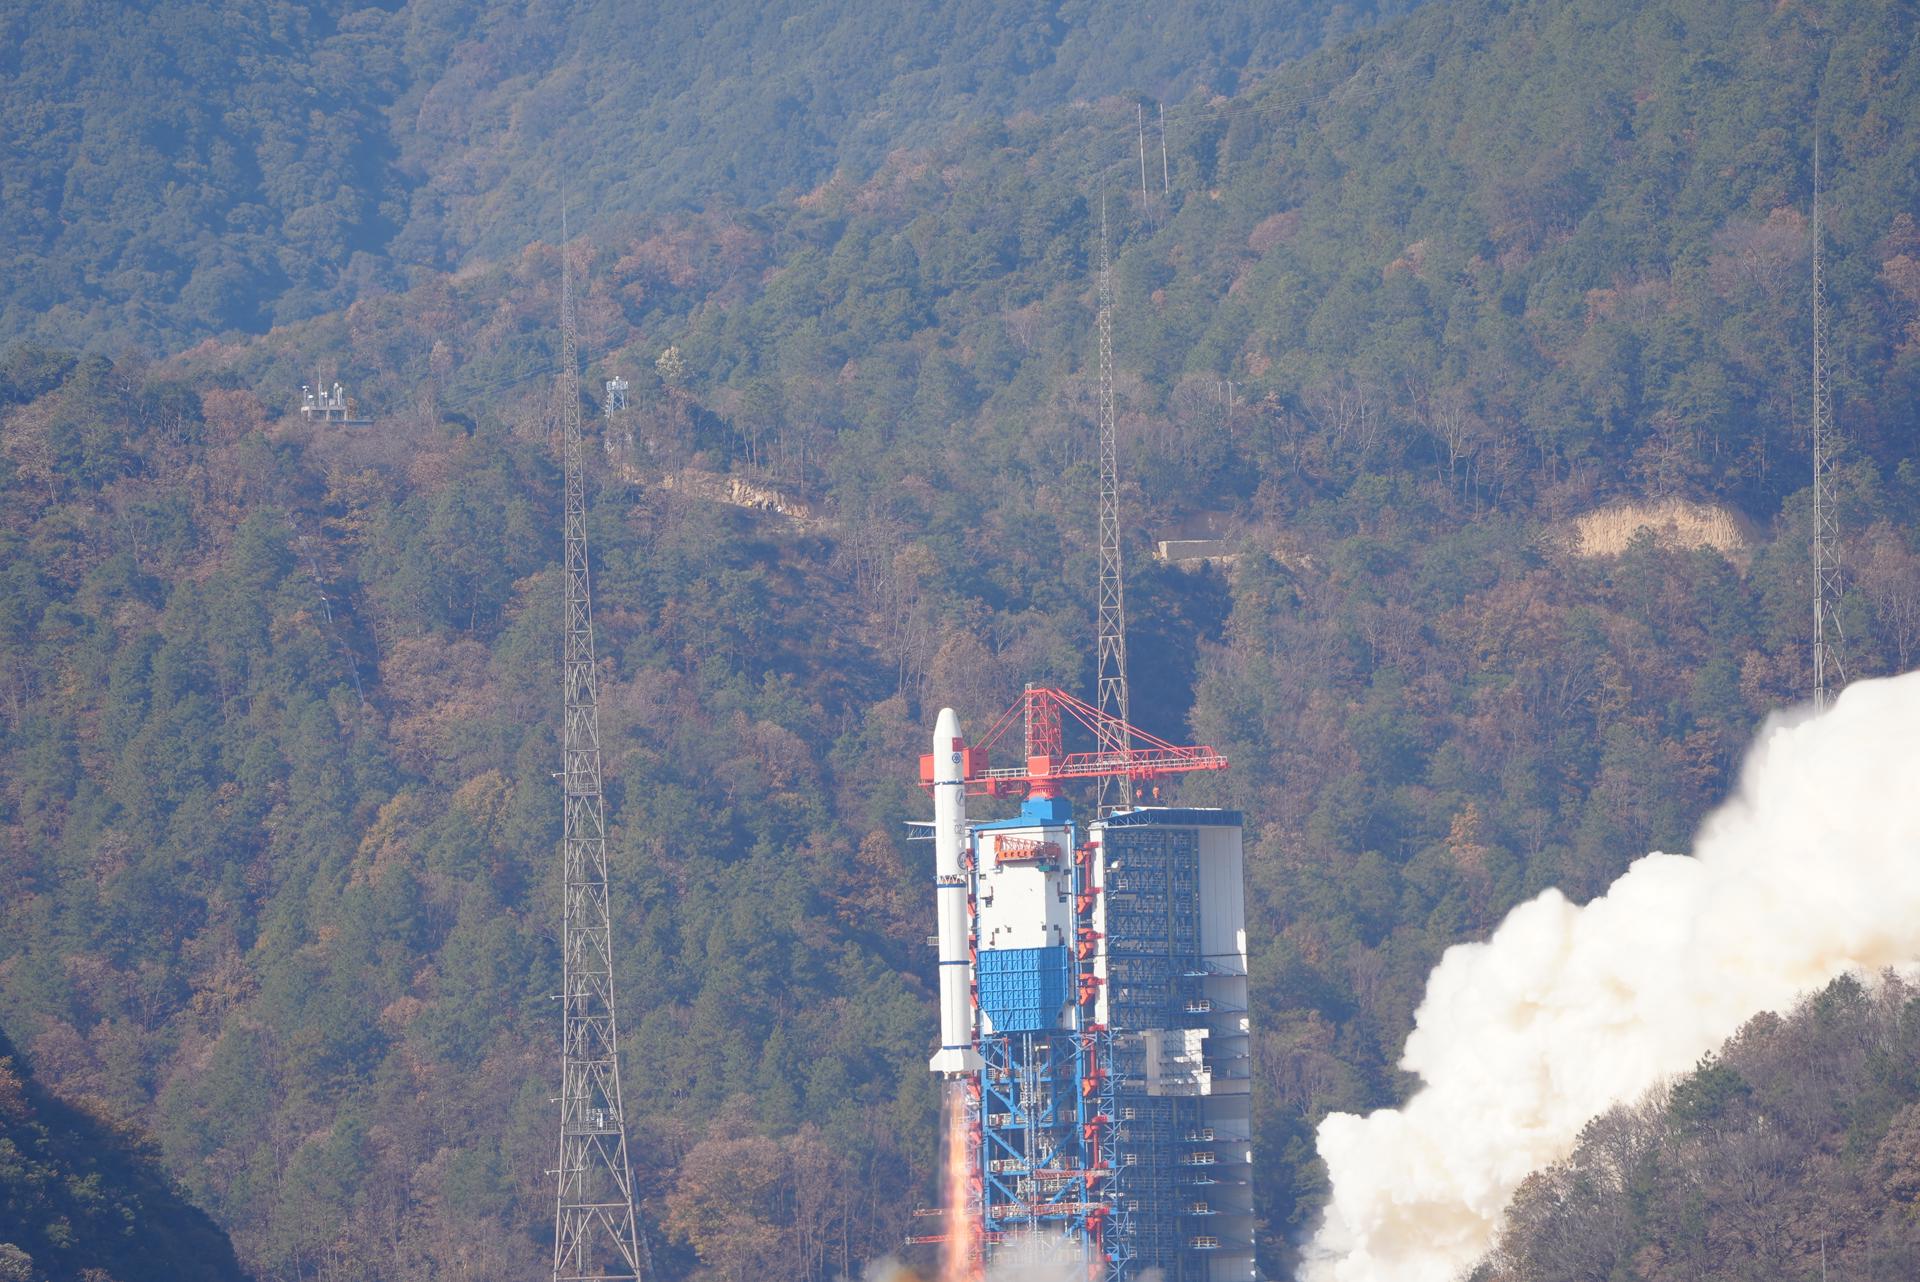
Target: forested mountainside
[
  {"x": 1794, "y": 1151},
  {"x": 81, "y": 1198},
  {"x": 186, "y": 168},
  {"x": 1420, "y": 321}
]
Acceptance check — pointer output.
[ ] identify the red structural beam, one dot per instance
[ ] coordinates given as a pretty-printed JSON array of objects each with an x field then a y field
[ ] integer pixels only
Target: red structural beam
[{"x": 1121, "y": 751}]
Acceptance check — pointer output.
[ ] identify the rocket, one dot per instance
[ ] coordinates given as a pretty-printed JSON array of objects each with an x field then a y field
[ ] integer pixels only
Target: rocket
[{"x": 957, "y": 1055}]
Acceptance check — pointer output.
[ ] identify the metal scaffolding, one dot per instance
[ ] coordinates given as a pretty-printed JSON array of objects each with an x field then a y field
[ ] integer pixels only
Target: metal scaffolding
[
  {"x": 595, "y": 1233},
  {"x": 1110, "y": 690},
  {"x": 1828, "y": 670},
  {"x": 1153, "y": 960},
  {"x": 1041, "y": 1123}
]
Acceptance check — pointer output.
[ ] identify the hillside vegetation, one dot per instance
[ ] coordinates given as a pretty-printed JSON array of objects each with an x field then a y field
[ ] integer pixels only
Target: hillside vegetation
[
  {"x": 1795, "y": 1149},
  {"x": 278, "y": 699},
  {"x": 186, "y": 168},
  {"x": 80, "y": 1198}
]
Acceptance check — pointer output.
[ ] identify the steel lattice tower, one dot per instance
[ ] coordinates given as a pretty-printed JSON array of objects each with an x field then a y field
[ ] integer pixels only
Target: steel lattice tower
[
  {"x": 595, "y": 1235},
  {"x": 1110, "y": 692},
  {"x": 1827, "y": 635}
]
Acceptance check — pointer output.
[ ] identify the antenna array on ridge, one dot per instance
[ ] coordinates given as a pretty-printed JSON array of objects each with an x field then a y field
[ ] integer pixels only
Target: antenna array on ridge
[{"x": 595, "y": 1234}]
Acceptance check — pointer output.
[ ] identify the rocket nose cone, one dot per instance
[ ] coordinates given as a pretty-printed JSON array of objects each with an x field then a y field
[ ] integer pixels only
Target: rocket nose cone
[{"x": 946, "y": 745}]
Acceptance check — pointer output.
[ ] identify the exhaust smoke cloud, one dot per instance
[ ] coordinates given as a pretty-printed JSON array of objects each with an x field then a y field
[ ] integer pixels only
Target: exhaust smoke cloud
[
  {"x": 1811, "y": 869},
  {"x": 1035, "y": 1257}
]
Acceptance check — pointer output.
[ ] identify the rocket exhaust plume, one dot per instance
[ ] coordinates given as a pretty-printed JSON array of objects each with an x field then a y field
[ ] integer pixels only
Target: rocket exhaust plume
[
  {"x": 960, "y": 1252},
  {"x": 1811, "y": 869}
]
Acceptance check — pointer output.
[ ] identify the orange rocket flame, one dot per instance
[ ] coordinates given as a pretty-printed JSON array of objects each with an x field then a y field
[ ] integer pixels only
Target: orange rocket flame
[{"x": 960, "y": 1253}]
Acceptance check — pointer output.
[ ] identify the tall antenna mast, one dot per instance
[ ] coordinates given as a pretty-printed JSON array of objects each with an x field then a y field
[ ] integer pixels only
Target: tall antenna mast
[
  {"x": 1110, "y": 694},
  {"x": 595, "y": 1237},
  {"x": 1166, "y": 176},
  {"x": 1827, "y": 636},
  {"x": 1140, "y": 125}
]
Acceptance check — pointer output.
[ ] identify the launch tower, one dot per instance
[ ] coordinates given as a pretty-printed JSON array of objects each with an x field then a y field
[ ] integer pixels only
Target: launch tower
[{"x": 1094, "y": 1003}]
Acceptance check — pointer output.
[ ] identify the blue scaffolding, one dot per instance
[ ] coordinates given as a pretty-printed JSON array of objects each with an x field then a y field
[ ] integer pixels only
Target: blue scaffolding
[
  {"x": 1072, "y": 1140},
  {"x": 1151, "y": 875},
  {"x": 1039, "y": 1093}
]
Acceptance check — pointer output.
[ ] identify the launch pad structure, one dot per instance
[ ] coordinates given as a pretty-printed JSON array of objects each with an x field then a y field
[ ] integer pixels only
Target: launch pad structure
[{"x": 1093, "y": 999}]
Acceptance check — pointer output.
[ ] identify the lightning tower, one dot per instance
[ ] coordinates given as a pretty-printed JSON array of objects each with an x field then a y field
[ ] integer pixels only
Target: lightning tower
[
  {"x": 595, "y": 1235},
  {"x": 1110, "y": 690},
  {"x": 1827, "y": 636}
]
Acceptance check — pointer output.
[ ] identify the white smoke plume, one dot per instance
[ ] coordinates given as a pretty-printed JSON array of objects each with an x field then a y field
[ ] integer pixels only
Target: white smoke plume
[
  {"x": 887, "y": 1268},
  {"x": 1023, "y": 1257},
  {"x": 1037, "y": 1257},
  {"x": 1811, "y": 869}
]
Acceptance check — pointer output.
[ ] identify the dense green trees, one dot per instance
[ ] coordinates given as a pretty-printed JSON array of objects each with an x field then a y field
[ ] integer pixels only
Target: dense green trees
[
  {"x": 197, "y": 167},
  {"x": 1791, "y": 1150},
  {"x": 81, "y": 1198},
  {"x": 265, "y": 917},
  {"x": 277, "y": 701}
]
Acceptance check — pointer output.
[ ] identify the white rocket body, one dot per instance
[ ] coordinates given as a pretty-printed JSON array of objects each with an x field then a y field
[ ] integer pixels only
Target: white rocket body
[{"x": 957, "y": 1055}]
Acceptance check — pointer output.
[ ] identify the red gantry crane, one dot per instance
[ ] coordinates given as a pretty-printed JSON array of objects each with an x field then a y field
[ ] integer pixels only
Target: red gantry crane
[{"x": 1042, "y": 713}]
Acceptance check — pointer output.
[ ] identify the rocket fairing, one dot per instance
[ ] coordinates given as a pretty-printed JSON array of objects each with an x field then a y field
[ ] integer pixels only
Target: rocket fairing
[{"x": 957, "y": 1055}]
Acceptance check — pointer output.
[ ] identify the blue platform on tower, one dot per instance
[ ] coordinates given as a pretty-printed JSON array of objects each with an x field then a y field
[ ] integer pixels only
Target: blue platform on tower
[
  {"x": 1034, "y": 810},
  {"x": 1023, "y": 989}
]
